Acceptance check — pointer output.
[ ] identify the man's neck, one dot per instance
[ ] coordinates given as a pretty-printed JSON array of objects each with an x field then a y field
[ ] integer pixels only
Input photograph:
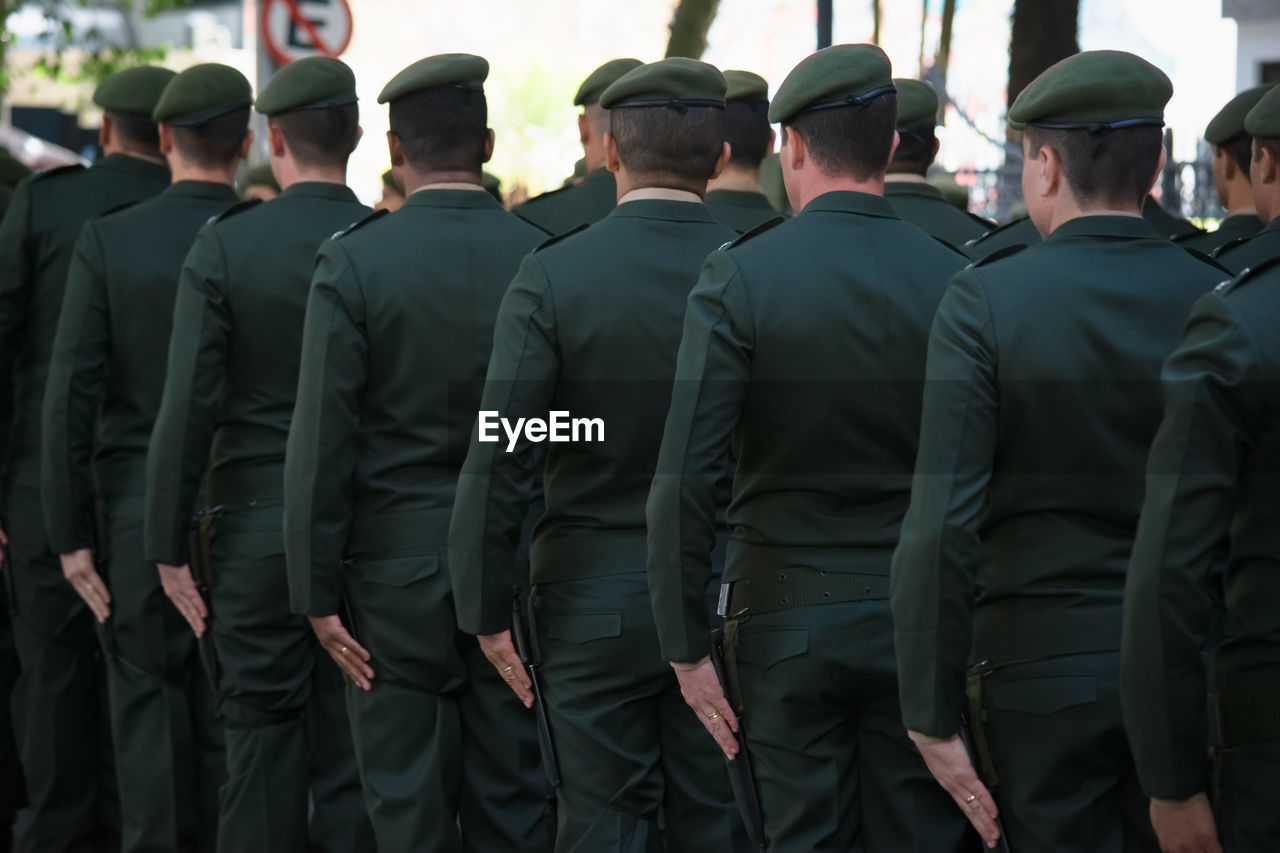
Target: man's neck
[
  {"x": 182, "y": 172},
  {"x": 904, "y": 178},
  {"x": 659, "y": 194},
  {"x": 415, "y": 180},
  {"x": 736, "y": 179},
  {"x": 1067, "y": 210},
  {"x": 818, "y": 184},
  {"x": 154, "y": 157}
]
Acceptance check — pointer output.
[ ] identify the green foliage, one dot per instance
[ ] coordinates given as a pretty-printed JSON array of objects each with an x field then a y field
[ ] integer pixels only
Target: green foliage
[{"x": 99, "y": 59}]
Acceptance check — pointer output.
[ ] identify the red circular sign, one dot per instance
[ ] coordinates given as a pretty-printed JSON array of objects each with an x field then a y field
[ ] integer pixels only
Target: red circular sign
[{"x": 294, "y": 29}]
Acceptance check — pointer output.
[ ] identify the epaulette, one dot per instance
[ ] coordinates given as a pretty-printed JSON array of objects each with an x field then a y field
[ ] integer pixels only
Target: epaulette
[
  {"x": 548, "y": 194},
  {"x": 983, "y": 221},
  {"x": 949, "y": 245},
  {"x": 119, "y": 207},
  {"x": 1229, "y": 245},
  {"x": 527, "y": 221},
  {"x": 238, "y": 207},
  {"x": 994, "y": 230},
  {"x": 1246, "y": 274},
  {"x": 997, "y": 255},
  {"x": 558, "y": 237},
  {"x": 61, "y": 170},
  {"x": 756, "y": 232},
  {"x": 1201, "y": 256},
  {"x": 360, "y": 223}
]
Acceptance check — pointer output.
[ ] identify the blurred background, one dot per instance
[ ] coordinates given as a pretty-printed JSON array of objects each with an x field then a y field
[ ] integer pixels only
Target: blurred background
[{"x": 979, "y": 52}]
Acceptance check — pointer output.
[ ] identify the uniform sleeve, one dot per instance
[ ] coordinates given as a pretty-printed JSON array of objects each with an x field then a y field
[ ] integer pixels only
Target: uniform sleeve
[
  {"x": 320, "y": 457},
  {"x": 183, "y": 431},
  {"x": 932, "y": 583},
  {"x": 76, "y": 384},
  {"x": 712, "y": 371},
  {"x": 494, "y": 489},
  {"x": 1210, "y": 388},
  {"x": 15, "y": 295}
]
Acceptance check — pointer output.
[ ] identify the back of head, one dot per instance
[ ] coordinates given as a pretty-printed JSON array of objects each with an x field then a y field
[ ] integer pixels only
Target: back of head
[
  {"x": 313, "y": 102},
  {"x": 1262, "y": 123},
  {"x": 746, "y": 119},
  {"x": 128, "y": 97},
  {"x": 439, "y": 113},
  {"x": 843, "y": 103},
  {"x": 667, "y": 121},
  {"x": 588, "y": 94},
  {"x": 1226, "y": 132},
  {"x": 917, "y": 127},
  {"x": 207, "y": 108},
  {"x": 1102, "y": 112}
]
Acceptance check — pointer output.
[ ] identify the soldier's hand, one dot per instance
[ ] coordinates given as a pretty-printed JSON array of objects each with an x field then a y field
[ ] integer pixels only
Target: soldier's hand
[
  {"x": 77, "y": 567},
  {"x": 349, "y": 655},
  {"x": 501, "y": 652},
  {"x": 181, "y": 589},
  {"x": 950, "y": 765},
  {"x": 4, "y": 540},
  {"x": 1185, "y": 826},
  {"x": 704, "y": 695}
]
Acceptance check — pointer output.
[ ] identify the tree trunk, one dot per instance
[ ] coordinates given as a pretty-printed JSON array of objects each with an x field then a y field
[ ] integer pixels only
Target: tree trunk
[
  {"x": 877, "y": 14},
  {"x": 1044, "y": 32},
  {"x": 943, "y": 57},
  {"x": 689, "y": 27}
]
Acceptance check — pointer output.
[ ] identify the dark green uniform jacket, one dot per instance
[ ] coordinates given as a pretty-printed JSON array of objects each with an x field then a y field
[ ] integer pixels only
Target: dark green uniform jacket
[
  {"x": 564, "y": 209},
  {"x": 924, "y": 206},
  {"x": 1020, "y": 232},
  {"x": 1167, "y": 223},
  {"x": 742, "y": 211},
  {"x": 1232, "y": 228},
  {"x": 1239, "y": 255},
  {"x": 1212, "y": 476},
  {"x": 1039, "y": 407}
]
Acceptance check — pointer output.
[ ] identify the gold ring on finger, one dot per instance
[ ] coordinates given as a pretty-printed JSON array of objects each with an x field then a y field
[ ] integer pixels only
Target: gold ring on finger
[
  {"x": 969, "y": 800},
  {"x": 713, "y": 715},
  {"x": 345, "y": 651},
  {"x": 507, "y": 669}
]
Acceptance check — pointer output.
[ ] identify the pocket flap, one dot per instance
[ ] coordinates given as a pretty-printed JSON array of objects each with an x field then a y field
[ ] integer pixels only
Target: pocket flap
[
  {"x": 771, "y": 646},
  {"x": 400, "y": 571},
  {"x": 584, "y": 627},
  {"x": 1044, "y": 695}
]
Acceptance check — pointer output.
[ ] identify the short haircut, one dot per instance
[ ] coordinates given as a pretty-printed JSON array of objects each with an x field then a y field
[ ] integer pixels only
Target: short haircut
[
  {"x": 916, "y": 149},
  {"x": 746, "y": 129},
  {"x": 598, "y": 116},
  {"x": 1107, "y": 167},
  {"x": 216, "y": 143},
  {"x": 680, "y": 146},
  {"x": 320, "y": 138},
  {"x": 1240, "y": 149},
  {"x": 136, "y": 132},
  {"x": 852, "y": 140},
  {"x": 1271, "y": 144},
  {"x": 442, "y": 129}
]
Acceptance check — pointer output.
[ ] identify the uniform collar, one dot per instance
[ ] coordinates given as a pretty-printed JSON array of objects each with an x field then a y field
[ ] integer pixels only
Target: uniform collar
[
  {"x": 452, "y": 198},
  {"x": 320, "y": 189},
  {"x": 201, "y": 189},
  {"x": 1126, "y": 227},
  {"x": 744, "y": 198},
  {"x": 133, "y": 166},
  {"x": 904, "y": 178},
  {"x": 912, "y": 188},
  {"x": 847, "y": 201},
  {"x": 663, "y": 208}
]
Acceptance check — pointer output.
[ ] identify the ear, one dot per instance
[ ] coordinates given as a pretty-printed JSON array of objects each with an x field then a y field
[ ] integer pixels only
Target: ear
[
  {"x": 1164, "y": 158},
  {"x": 275, "y": 141},
  {"x": 1268, "y": 168},
  {"x": 395, "y": 149},
  {"x": 612, "y": 161},
  {"x": 488, "y": 145},
  {"x": 794, "y": 150},
  {"x": 937, "y": 143},
  {"x": 1048, "y": 166},
  {"x": 584, "y": 127},
  {"x": 247, "y": 145},
  {"x": 893, "y": 146},
  {"x": 166, "y": 139},
  {"x": 773, "y": 137},
  {"x": 105, "y": 132},
  {"x": 359, "y": 136},
  {"x": 726, "y": 151}
]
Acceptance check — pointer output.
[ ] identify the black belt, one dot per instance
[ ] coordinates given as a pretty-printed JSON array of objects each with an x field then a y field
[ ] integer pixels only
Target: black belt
[{"x": 802, "y": 587}]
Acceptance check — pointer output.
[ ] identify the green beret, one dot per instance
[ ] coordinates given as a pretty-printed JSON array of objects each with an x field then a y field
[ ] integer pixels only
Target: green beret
[
  {"x": 745, "y": 85},
  {"x": 308, "y": 84},
  {"x": 917, "y": 103},
  {"x": 460, "y": 70},
  {"x": 1229, "y": 122},
  {"x": 1263, "y": 121},
  {"x": 202, "y": 93},
  {"x": 261, "y": 176},
  {"x": 602, "y": 78},
  {"x": 134, "y": 91},
  {"x": 1094, "y": 90},
  {"x": 675, "y": 82},
  {"x": 845, "y": 75},
  {"x": 389, "y": 181}
]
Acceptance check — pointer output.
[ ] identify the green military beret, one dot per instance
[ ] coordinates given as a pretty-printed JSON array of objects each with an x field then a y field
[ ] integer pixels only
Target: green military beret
[
  {"x": 745, "y": 85},
  {"x": 1094, "y": 90},
  {"x": 389, "y": 181},
  {"x": 602, "y": 78},
  {"x": 461, "y": 70},
  {"x": 134, "y": 91},
  {"x": 1263, "y": 121},
  {"x": 261, "y": 176},
  {"x": 202, "y": 93},
  {"x": 839, "y": 76},
  {"x": 676, "y": 82},
  {"x": 917, "y": 103},
  {"x": 308, "y": 84},
  {"x": 1229, "y": 122}
]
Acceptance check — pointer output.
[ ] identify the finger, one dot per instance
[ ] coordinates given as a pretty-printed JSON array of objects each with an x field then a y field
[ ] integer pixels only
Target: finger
[
  {"x": 351, "y": 671},
  {"x": 99, "y": 588},
  {"x": 89, "y": 596},
  {"x": 976, "y": 812},
  {"x": 517, "y": 678},
  {"x": 713, "y": 721},
  {"x": 344, "y": 637},
  {"x": 350, "y": 657},
  {"x": 187, "y": 607}
]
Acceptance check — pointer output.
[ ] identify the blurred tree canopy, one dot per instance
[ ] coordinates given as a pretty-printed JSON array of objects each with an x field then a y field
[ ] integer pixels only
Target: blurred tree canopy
[{"x": 689, "y": 27}]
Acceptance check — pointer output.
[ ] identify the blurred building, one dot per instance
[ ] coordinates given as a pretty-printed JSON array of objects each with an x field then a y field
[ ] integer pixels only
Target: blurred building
[{"x": 1257, "y": 40}]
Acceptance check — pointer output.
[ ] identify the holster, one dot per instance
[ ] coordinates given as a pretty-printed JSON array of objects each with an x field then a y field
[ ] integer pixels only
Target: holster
[
  {"x": 6, "y": 570},
  {"x": 1217, "y": 754},
  {"x": 200, "y": 533},
  {"x": 742, "y": 777},
  {"x": 974, "y": 724},
  {"x": 100, "y": 547}
]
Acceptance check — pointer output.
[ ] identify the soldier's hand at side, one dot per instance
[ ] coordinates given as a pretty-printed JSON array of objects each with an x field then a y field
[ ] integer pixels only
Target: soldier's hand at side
[
  {"x": 77, "y": 567},
  {"x": 4, "y": 540},
  {"x": 704, "y": 695},
  {"x": 501, "y": 652},
  {"x": 350, "y": 656},
  {"x": 181, "y": 589},
  {"x": 950, "y": 765},
  {"x": 1185, "y": 826}
]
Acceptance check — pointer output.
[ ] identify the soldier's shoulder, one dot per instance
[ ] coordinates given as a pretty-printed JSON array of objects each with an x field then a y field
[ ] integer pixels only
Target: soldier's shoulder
[
  {"x": 362, "y": 228},
  {"x": 52, "y": 176},
  {"x": 559, "y": 239},
  {"x": 987, "y": 261},
  {"x": 1262, "y": 271},
  {"x": 756, "y": 241},
  {"x": 1232, "y": 245},
  {"x": 548, "y": 196},
  {"x": 235, "y": 210}
]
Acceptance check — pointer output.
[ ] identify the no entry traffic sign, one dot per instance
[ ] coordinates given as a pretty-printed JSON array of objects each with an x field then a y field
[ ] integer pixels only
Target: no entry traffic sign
[{"x": 293, "y": 29}]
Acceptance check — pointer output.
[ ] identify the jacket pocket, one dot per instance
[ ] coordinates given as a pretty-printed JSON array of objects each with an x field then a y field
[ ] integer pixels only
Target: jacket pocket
[
  {"x": 769, "y": 647},
  {"x": 1044, "y": 695},
  {"x": 400, "y": 571}
]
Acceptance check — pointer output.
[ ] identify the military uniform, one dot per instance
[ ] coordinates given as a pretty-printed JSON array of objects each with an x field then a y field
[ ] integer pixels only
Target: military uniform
[
  {"x": 105, "y": 381},
  {"x": 1039, "y": 406},
  {"x": 746, "y": 99},
  {"x": 393, "y": 354},
  {"x": 817, "y": 383},
  {"x": 227, "y": 404},
  {"x": 598, "y": 340},
  {"x": 1019, "y": 232},
  {"x": 59, "y": 701},
  {"x": 1241, "y": 254},
  {"x": 1238, "y": 227},
  {"x": 1168, "y": 224},
  {"x": 741, "y": 210}
]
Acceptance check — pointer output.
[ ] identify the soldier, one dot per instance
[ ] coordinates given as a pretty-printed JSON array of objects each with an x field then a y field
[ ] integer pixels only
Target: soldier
[
  {"x": 260, "y": 183},
  {"x": 590, "y": 326},
  {"x": 1232, "y": 152},
  {"x": 392, "y": 193},
  {"x": 103, "y": 394},
  {"x": 1211, "y": 478},
  {"x": 591, "y": 200},
  {"x": 1168, "y": 224},
  {"x": 1264, "y": 178},
  {"x": 1039, "y": 405},
  {"x": 232, "y": 375},
  {"x": 912, "y": 197},
  {"x": 1018, "y": 232},
  {"x": 59, "y": 700},
  {"x": 393, "y": 354},
  {"x": 735, "y": 198},
  {"x": 765, "y": 361}
]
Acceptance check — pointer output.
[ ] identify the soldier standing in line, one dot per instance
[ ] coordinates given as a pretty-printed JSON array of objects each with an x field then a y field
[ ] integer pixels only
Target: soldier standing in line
[
  {"x": 734, "y": 197},
  {"x": 103, "y": 394},
  {"x": 1264, "y": 178},
  {"x": 261, "y": 184},
  {"x": 227, "y": 403},
  {"x": 398, "y": 331},
  {"x": 392, "y": 193},
  {"x": 59, "y": 699}
]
